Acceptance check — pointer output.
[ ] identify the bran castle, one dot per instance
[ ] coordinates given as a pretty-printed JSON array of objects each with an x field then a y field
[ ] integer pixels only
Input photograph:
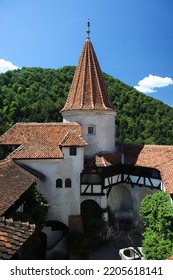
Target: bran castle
[{"x": 78, "y": 160}]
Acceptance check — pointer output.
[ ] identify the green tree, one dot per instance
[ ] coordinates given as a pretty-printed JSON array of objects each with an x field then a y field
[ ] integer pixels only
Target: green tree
[
  {"x": 157, "y": 213},
  {"x": 38, "y": 95}
]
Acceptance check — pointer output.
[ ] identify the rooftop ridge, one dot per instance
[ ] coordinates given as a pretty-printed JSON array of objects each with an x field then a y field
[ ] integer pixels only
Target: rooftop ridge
[
  {"x": 45, "y": 123},
  {"x": 17, "y": 224},
  {"x": 65, "y": 137},
  {"x": 75, "y": 133}
]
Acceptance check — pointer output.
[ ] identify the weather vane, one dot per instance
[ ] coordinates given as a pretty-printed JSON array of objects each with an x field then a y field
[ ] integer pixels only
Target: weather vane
[{"x": 88, "y": 30}]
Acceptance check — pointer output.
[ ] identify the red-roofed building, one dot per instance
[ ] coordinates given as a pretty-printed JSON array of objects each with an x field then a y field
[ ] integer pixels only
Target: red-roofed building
[
  {"x": 55, "y": 150},
  {"x": 79, "y": 159}
]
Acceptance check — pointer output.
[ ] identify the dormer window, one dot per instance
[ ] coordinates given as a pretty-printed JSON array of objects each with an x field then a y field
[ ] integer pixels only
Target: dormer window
[
  {"x": 91, "y": 129},
  {"x": 73, "y": 151}
]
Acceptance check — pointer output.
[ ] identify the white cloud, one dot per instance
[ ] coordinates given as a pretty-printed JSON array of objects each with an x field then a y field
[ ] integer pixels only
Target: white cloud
[
  {"x": 148, "y": 84},
  {"x": 6, "y": 65}
]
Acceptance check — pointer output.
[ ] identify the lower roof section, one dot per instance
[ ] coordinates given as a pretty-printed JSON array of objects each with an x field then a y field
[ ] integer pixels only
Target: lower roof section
[
  {"x": 41, "y": 140},
  {"x": 14, "y": 181},
  {"x": 13, "y": 234}
]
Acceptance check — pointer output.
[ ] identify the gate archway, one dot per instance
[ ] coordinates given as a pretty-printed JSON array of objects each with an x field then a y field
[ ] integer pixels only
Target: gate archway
[
  {"x": 120, "y": 198},
  {"x": 120, "y": 206},
  {"x": 92, "y": 216}
]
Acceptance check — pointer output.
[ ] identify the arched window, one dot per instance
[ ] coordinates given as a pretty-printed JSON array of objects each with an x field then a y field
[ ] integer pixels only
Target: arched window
[
  {"x": 67, "y": 183},
  {"x": 58, "y": 183}
]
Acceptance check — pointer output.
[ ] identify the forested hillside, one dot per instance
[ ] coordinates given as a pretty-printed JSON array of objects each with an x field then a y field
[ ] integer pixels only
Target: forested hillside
[{"x": 37, "y": 95}]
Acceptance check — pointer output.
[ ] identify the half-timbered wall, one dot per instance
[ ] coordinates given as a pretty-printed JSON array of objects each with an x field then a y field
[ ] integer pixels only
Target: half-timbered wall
[{"x": 122, "y": 187}]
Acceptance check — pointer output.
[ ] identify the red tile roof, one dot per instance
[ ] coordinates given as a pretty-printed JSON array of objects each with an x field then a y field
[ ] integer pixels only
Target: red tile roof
[
  {"x": 72, "y": 138},
  {"x": 42, "y": 140},
  {"x": 153, "y": 156},
  {"x": 148, "y": 155},
  {"x": 13, "y": 234},
  {"x": 105, "y": 159},
  {"x": 14, "y": 181},
  {"x": 88, "y": 90},
  {"x": 32, "y": 150},
  {"x": 166, "y": 171}
]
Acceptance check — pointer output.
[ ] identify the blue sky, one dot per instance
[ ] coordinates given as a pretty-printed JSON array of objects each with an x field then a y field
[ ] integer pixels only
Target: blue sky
[{"x": 133, "y": 39}]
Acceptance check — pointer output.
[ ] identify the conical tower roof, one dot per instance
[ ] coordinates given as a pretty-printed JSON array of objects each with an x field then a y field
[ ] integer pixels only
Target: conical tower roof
[{"x": 88, "y": 90}]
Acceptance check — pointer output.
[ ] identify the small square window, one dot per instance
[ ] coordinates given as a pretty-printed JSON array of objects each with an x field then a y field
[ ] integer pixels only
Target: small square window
[
  {"x": 73, "y": 151},
  {"x": 90, "y": 130}
]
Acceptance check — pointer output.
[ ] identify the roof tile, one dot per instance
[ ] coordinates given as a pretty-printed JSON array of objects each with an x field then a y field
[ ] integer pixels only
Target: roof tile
[
  {"x": 11, "y": 244},
  {"x": 153, "y": 156},
  {"x": 88, "y": 90},
  {"x": 41, "y": 140},
  {"x": 13, "y": 183},
  {"x": 72, "y": 138}
]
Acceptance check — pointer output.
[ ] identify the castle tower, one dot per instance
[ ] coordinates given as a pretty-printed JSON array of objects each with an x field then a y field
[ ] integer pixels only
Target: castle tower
[{"x": 89, "y": 104}]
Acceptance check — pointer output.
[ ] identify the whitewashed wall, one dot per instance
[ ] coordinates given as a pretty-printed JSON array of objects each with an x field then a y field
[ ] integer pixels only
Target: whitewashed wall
[{"x": 62, "y": 201}]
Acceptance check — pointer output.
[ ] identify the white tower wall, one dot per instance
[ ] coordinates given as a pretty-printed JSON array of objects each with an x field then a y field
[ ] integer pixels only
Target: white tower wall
[{"x": 103, "y": 123}]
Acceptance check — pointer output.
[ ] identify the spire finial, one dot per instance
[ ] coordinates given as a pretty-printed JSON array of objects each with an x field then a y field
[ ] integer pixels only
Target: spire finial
[{"x": 88, "y": 30}]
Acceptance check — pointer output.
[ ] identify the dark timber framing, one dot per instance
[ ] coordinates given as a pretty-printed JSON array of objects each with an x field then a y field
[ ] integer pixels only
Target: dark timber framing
[{"x": 98, "y": 180}]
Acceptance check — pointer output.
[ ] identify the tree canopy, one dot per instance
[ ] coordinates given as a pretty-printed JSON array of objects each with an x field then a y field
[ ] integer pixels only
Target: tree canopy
[
  {"x": 157, "y": 213},
  {"x": 38, "y": 95}
]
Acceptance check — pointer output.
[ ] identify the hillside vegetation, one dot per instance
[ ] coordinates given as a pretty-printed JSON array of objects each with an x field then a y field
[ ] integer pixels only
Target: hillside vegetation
[{"x": 37, "y": 95}]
